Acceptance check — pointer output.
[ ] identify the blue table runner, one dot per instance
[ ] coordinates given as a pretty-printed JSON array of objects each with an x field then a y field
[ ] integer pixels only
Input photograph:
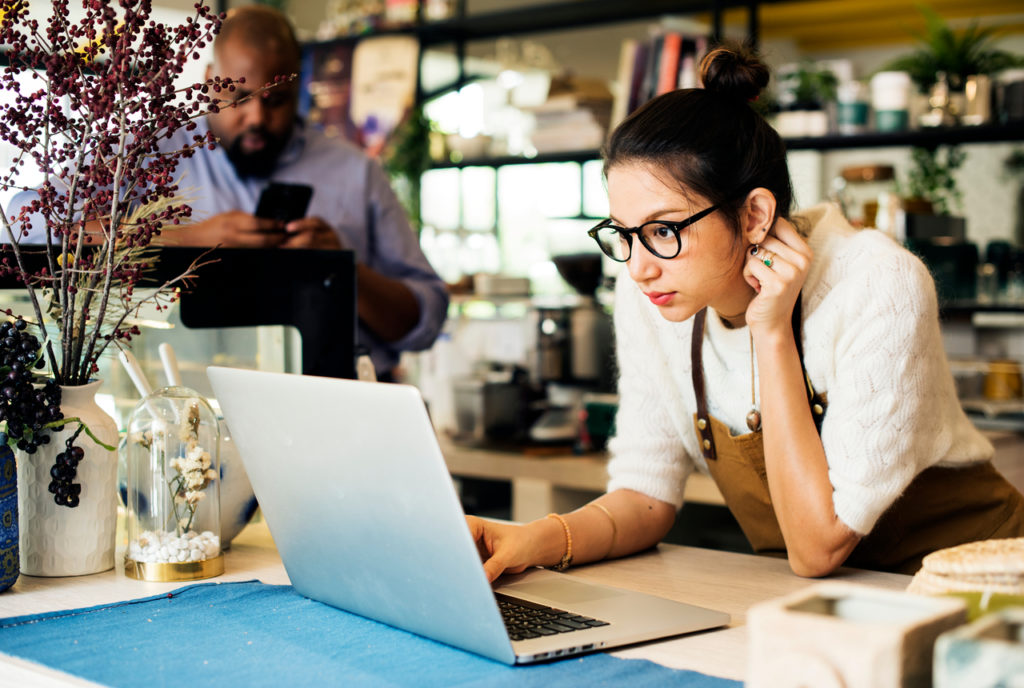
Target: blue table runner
[{"x": 252, "y": 634}]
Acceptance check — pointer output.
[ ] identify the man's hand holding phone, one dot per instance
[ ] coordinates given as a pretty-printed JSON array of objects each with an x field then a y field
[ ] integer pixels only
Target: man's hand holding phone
[
  {"x": 310, "y": 232},
  {"x": 279, "y": 221},
  {"x": 287, "y": 205},
  {"x": 232, "y": 229},
  {"x": 284, "y": 202}
]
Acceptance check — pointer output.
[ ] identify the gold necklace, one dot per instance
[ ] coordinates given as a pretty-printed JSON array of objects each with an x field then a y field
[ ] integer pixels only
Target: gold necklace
[{"x": 754, "y": 417}]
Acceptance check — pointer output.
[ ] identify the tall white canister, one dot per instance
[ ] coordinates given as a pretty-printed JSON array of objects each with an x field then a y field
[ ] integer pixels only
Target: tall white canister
[{"x": 890, "y": 99}]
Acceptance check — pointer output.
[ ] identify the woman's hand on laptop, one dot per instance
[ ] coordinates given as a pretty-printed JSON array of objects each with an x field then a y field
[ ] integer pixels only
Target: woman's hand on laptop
[
  {"x": 503, "y": 547},
  {"x": 623, "y": 522},
  {"x": 512, "y": 548}
]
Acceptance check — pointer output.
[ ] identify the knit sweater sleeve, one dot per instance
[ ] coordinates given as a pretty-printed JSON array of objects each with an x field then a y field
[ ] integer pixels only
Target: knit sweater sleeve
[
  {"x": 647, "y": 453},
  {"x": 892, "y": 406}
]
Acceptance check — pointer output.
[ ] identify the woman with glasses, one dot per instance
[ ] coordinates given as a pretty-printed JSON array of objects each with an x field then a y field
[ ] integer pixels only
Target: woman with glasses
[{"x": 796, "y": 360}]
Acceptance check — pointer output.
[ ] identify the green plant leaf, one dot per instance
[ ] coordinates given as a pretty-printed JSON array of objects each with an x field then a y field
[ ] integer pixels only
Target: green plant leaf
[{"x": 958, "y": 55}]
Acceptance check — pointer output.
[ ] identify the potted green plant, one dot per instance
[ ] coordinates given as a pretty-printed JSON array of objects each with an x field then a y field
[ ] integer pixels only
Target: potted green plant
[
  {"x": 806, "y": 94},
  {"x": 958, "y": 55},
  {"x": 930, "y": 184},
  {"x": 406, "y": 158},
  {"x": 930, "y": 196}
]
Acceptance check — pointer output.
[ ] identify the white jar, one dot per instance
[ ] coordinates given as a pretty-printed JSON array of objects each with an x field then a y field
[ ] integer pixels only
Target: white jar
[
  {"x": 853, "y": 107},
  {"x": 890, "y": 99}
]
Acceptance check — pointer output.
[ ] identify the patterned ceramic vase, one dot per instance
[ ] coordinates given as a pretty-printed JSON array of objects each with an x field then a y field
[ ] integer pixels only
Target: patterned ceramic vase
[
  {"x": 8, "y": 519},
  {"x": 59, "y": 540}
]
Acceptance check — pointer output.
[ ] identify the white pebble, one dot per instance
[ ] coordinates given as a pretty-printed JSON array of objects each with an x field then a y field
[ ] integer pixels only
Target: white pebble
[{"x": 168, "y": 547}]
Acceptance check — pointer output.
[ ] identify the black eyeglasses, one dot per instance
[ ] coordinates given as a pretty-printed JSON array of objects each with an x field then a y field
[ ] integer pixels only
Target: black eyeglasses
[{"x": 660, "y": 237}]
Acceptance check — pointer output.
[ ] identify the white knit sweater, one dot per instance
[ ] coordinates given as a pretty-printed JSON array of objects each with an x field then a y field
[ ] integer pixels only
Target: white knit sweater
[{"x": 871, "y": 340}]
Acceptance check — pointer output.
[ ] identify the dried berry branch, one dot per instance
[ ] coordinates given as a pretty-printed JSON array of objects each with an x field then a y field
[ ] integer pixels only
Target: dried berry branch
[{"x": 94, "y": 101}]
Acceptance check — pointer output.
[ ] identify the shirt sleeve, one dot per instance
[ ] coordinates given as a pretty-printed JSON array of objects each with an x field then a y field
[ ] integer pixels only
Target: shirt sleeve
[
  {"x": 647, "y": 453},
  {"x": 394, "y": 251},
  {"x": 37, "y": 230},
  {"x": 892, "y": 406}
]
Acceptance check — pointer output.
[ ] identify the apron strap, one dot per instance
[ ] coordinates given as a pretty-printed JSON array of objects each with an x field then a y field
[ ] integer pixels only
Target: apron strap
[{"x": 707, "y": 440}]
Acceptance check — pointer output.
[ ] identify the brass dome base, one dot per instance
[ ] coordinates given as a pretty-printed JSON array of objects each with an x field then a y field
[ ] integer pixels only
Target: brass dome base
[{"x": 178, "y": 571}]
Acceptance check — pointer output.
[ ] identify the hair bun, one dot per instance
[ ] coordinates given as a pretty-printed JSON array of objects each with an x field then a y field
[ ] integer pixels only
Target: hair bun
[{"x": 734, "y": 71}]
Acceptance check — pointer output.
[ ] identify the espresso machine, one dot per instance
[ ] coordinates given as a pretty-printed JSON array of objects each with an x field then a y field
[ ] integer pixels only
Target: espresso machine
[{"x": 574, "y": 351}]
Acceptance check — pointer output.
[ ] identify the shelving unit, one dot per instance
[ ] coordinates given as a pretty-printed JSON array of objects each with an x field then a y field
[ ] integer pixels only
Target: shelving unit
[
  {"x": 555, "y": 16},
  {"x": 567, "y": 15},
  {"x": 559, "y": 16},
  {"x": 547, "y": 17}
]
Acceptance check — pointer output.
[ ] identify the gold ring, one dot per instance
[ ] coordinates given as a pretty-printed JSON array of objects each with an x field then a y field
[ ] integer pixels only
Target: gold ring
[{"x": 768, "y": 259}]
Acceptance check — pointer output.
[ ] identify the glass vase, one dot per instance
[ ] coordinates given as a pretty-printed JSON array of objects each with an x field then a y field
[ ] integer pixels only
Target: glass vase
[
  {"x": 172, "y": 472},
  {"x": 58, "y": 540}
]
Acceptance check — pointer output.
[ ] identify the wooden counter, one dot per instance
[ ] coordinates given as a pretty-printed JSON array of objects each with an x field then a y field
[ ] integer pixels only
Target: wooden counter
[
  {"x": 720, "y": 580},
  {"x": 543, "y": 483},
  {"x": 561, "y": 482}
]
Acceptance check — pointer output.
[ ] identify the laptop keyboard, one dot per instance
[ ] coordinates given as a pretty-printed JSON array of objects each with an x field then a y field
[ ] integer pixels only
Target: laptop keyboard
[{"x": 525, "y": 620}]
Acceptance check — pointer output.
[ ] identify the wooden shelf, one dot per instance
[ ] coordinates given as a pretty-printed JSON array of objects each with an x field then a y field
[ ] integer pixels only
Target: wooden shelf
[
  {"x": 561, "y": 16},
  {"x": 972, "y": 309},
  {"x": 568, "y": 156},
  {"x": 923, "y": 138},
  {"x": 542, "y": 18},
  {"x": 927, "y": 138}
]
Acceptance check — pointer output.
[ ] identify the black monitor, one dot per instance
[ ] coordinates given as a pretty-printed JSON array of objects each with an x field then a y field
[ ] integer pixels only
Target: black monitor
[{"x": 313, "y": 290}]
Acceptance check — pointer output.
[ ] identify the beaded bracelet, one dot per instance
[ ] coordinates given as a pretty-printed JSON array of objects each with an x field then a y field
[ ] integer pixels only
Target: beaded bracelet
[{"x": 566, "y": 560}]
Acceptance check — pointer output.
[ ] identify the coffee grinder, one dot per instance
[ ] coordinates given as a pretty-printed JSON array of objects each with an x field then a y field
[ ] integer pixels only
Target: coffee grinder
[{"x": 574, "y": 349}]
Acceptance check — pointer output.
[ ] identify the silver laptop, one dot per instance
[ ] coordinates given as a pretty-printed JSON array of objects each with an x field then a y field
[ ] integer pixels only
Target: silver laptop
[{"x": 366, "y": 518}]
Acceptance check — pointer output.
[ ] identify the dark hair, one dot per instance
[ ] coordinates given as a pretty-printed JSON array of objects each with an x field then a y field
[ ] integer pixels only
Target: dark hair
[
  {"x": 263, "y": 28},
  {"x": 710, "y": 140}
]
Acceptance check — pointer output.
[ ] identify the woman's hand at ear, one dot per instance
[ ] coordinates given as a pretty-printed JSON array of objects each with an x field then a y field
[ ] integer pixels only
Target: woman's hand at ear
[{"x": 777, "y": 273}]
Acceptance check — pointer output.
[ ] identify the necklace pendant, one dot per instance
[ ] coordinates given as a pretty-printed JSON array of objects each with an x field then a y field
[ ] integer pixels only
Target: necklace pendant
[{"x": 754, "y": 420}]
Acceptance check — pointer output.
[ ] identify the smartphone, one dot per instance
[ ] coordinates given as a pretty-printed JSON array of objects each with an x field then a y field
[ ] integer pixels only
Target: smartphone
[{"x": 284, "y": 202}]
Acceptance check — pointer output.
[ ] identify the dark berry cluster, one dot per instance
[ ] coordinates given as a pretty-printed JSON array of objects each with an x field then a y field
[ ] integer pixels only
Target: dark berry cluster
[
  {"x": 26, "y": 407},
  {"x": 65, "y": 492}
]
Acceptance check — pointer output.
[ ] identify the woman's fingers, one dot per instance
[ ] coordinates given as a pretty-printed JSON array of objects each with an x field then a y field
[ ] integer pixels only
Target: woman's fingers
[
  {"x": 495, "y": 542},
  {"x": 476, "y": 530},
  {"x": 786, "y": 243},
  {"x": 766, "y": 264},
  {"x": 493, "y": 568}
]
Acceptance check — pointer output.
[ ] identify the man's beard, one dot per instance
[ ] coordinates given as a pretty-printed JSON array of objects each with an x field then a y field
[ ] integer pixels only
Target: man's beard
[{"x": 260, "y": 163}]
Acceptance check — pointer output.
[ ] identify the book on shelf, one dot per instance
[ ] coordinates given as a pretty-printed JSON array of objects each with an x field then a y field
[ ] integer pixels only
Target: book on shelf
[
  {"x": 668, "y": 65},
  {"x": 623, "y": 81},
  {"x": 649, "y": 68},
  {"x": 637, "y": 78}
]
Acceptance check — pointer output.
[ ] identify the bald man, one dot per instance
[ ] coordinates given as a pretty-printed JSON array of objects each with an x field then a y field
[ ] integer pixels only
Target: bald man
[{"x": 401, "y": 301}]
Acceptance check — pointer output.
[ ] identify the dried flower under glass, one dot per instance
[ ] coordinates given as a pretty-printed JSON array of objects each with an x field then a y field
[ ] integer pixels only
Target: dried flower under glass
[
  {"x": 173, "y": 487},
  {"x": 194, "y": 472}
]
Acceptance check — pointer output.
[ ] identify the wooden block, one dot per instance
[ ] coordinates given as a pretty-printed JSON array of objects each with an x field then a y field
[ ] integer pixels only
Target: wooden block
[
  {"x": 843, "y": 635},
  {"x": 988, "y": 653}
]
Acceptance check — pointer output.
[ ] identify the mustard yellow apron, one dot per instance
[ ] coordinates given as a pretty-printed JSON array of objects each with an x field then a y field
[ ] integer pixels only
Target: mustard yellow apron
[{"x": 941, "y": 507}]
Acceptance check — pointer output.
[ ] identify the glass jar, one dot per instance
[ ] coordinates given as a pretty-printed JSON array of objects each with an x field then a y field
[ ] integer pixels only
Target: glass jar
[{"x": 172, "y": 471}]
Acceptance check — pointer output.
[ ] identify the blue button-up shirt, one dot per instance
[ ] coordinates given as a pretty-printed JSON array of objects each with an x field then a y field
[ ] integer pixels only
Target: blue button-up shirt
[{"x": 351, "y": 193}]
